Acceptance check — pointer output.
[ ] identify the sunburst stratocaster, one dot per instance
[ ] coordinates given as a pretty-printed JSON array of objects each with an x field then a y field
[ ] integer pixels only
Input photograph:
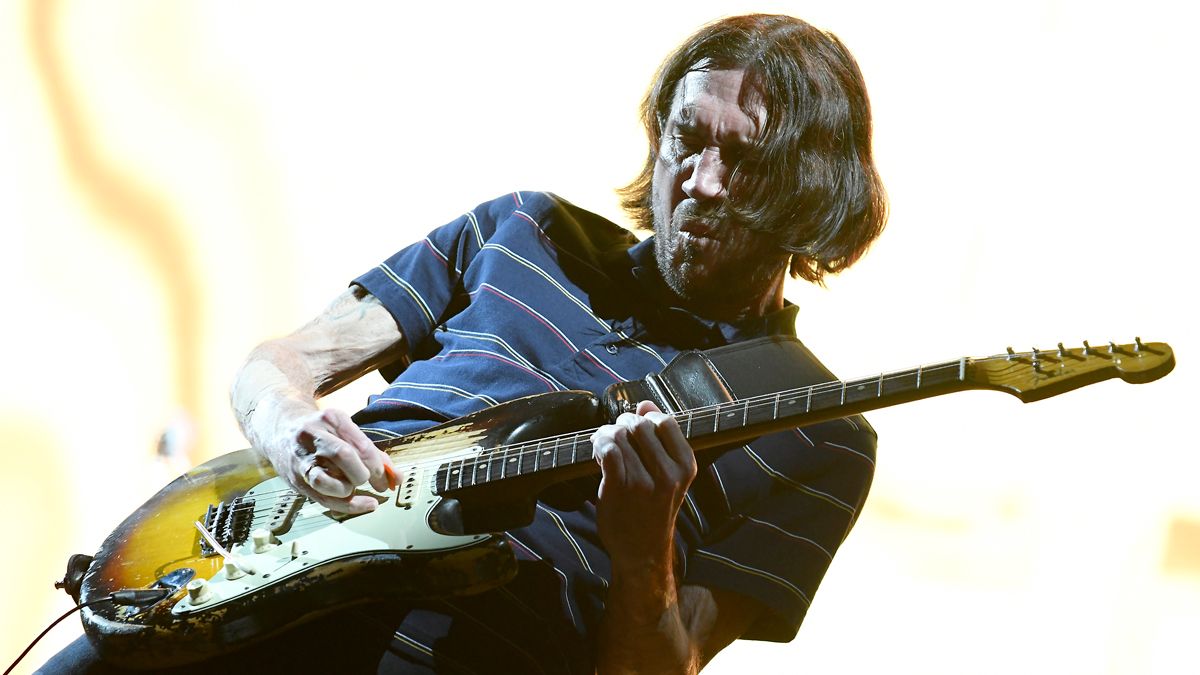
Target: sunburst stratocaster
[{"x": 227, "y": 553}]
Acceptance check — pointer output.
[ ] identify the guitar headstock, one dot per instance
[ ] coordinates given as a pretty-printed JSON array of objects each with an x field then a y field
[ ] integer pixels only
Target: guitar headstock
[{"x": 1038, "y": 374}]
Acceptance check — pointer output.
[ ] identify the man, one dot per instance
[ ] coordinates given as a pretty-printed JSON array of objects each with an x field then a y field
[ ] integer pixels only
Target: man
[{"x": 759, "y": 163}]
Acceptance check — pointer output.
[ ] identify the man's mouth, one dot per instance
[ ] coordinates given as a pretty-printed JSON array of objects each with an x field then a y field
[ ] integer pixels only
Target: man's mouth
[{"x": 697, "y": 228}]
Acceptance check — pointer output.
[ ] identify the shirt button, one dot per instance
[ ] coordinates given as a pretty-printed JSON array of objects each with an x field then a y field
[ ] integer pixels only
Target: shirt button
[{"x": 611, "y": 349}]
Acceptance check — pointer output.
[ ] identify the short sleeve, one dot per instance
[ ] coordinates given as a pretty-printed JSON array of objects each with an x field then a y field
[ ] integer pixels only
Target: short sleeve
[
  {"x": 418, "y": 284},
  {"x": 775, "y": 513}
]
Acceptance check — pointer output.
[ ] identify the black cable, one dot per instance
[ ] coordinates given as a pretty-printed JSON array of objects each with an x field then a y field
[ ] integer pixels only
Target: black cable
[
  {"x": 41, "y": 635},
  {"x": 127, "y": 597}
]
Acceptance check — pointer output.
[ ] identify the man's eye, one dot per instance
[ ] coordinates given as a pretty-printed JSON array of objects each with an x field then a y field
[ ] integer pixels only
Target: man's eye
[{"x": 683, "y": 145}]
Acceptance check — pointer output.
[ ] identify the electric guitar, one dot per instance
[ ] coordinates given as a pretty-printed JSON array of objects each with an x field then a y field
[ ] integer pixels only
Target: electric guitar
[{"x": 228, "y": 553}]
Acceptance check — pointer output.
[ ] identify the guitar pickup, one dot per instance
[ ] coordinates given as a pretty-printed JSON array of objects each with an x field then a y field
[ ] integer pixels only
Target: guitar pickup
[{"x": 406, "y": 493}]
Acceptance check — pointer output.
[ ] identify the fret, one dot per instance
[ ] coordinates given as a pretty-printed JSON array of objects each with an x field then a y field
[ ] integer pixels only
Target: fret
[
  {"x": 525, "y": 461},
  {"x": 495, "y": 465},
  {"x": 587, "y": 441},
  {"x": 464, "y": 473},
  {"x": 745, "y": 411},
  {"x": 775, "y": 408},
  {"x": 879, "y": 389},
  {"x": 902, "y": 381},
  {"x": 919, "y": 369},
  {"x": 476, "y": 465},
  {"x": 537, "y": 456},
  {"x": 688, "y": 431},
  {"x": 843, "y": 401},
  {"x": 562, "y": 445},
  {"x": 808, "y": 403}
]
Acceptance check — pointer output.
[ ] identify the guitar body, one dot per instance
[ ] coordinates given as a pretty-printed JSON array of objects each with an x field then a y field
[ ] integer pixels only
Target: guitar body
[{"x": 314, "y": 560}]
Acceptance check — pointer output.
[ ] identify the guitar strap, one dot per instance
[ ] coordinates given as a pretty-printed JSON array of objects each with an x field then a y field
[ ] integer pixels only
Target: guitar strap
[{"x": 695, "y": 379}]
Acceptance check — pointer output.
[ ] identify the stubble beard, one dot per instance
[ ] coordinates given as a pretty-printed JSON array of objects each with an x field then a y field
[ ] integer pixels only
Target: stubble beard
[{"x": 735, "y": 274}]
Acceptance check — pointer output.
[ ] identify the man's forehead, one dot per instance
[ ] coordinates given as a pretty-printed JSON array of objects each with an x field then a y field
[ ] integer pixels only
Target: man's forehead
[{"x": 726, "y": 96}]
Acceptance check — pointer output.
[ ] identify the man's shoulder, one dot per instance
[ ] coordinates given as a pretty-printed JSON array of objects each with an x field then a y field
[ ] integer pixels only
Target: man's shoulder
[{"x": 566, "y": 224}]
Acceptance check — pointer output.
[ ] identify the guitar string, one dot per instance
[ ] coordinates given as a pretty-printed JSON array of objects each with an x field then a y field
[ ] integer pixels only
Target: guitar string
[
  {"x": 755, "y": 401},
  {"x": 701, "y": 414},
  {"x": 519, "y": 452}
]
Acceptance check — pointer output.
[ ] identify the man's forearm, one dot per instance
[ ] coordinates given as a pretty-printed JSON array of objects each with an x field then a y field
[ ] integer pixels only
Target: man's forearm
[
  {"x": 644, "y": 628},
  {"x": 271, "y": 387}
]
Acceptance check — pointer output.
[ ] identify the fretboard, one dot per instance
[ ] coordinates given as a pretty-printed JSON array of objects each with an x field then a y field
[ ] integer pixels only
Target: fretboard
[{"x": 713, "y": 426}]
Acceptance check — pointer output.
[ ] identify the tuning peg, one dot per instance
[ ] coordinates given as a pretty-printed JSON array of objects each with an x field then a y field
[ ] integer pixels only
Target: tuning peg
[
  {"x": 1112, "y": 347},
  {"x": 1062, "y": 351},
  {"x": 1087, "y": 349},
  {"x": 1139, "y": 346},
  {"x": 1011, "y": 354}
]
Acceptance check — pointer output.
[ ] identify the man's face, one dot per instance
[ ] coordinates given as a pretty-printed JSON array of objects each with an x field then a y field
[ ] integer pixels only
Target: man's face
[{"x": 702, "y": 259}]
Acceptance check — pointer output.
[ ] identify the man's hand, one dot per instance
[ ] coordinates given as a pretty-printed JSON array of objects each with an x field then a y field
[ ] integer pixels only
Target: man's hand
[
  {"x": 321, "y": 453},
  {"x": 324, "y": 455},
  {"x": 647, "y": 466}
]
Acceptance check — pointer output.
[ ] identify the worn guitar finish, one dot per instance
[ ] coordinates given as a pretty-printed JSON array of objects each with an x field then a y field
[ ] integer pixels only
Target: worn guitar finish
[{"x": 290, "y": 559}]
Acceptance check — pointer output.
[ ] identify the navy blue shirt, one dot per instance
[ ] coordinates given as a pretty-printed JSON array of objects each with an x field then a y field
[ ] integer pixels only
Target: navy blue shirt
[{"x": 529, "y": 294}]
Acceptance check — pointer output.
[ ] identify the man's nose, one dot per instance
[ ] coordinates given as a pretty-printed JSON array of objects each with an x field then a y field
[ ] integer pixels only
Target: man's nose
[{"x": 708, "y": 176}]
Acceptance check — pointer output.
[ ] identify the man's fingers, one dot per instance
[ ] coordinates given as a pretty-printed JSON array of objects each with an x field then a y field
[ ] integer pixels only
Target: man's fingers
[
  {"x": 327, "y": 482},
  {"x": 373, "y": 459},
  {"x": 672, "y": 438},
  {"x": 644, "y": 407},
  {"x": 349, "y": 503},
  {"x": 608, "y": 456},
  {"x": 340, "y": 463},
  {"x": 617, "y": 441},
  {"x": 660, "y": 444}
]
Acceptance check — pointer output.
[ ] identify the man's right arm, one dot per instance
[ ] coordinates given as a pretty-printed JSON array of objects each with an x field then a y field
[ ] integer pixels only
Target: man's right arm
[{"x": 321, "y": 453}]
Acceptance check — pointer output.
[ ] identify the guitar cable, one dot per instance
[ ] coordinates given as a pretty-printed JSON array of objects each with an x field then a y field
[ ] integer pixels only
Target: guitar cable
[{"x": 140, "y": 596}]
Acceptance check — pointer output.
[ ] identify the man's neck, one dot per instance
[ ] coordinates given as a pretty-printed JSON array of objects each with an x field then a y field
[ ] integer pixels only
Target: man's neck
[{"x": 756, "y": 305}]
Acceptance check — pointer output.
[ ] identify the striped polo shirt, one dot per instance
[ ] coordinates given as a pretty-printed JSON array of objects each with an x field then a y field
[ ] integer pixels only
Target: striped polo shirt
[{"x": 529, "y": 294}]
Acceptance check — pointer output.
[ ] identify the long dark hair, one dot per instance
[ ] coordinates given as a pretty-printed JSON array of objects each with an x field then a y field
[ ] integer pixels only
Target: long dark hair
[{"x": 810, "y": 180}]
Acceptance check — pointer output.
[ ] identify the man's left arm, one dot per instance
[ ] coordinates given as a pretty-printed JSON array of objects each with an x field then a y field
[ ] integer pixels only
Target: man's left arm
[{"x": 651, "y": 623}]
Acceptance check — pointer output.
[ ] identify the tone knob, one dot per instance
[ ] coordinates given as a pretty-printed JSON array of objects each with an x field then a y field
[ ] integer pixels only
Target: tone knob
[
  {"x": 233, "y": 571},
  {"x": 198, "y": 591},
  {"x": 262, "y": 540}
]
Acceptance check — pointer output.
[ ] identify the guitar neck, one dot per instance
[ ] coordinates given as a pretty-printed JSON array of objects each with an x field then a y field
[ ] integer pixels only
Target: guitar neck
[
  {"x": 745, "y": 419},
  {"x": 713, "y": 426},
  {"x": 1030, "y": 376}
]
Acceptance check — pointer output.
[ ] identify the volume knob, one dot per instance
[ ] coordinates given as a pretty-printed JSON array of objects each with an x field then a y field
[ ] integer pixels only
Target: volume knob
[
  {"x": 233, "y": 570},
  {"x": 198, "y": 591},
  {"x": 262, "y": 540}
]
